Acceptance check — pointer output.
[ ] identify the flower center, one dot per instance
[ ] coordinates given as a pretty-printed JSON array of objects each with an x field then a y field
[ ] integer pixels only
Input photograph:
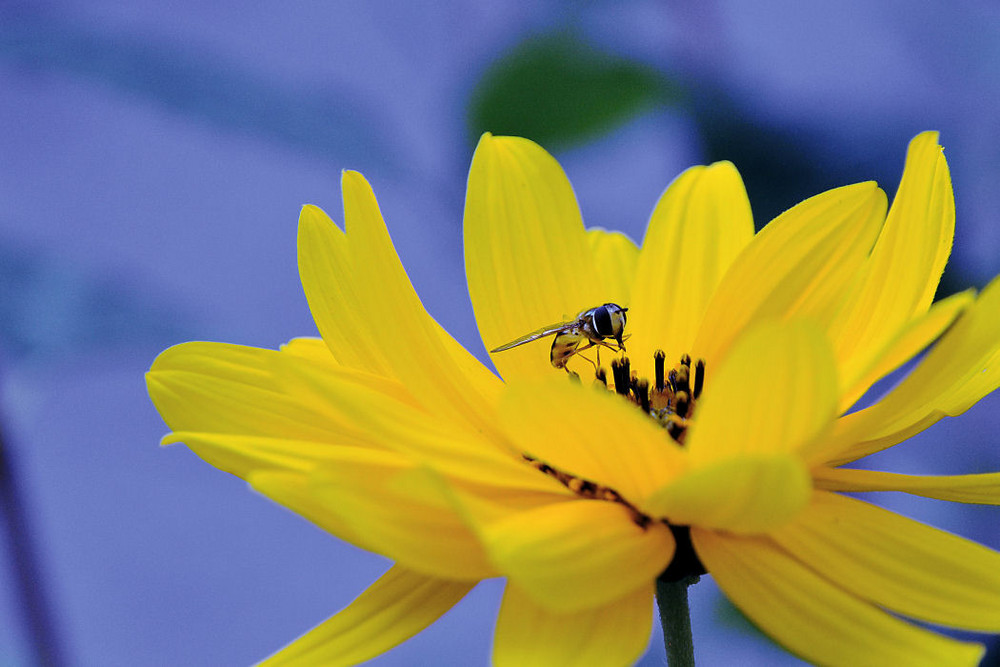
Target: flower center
[
  {"x": 671, "y": 398},
  {"x": 670, "y": 401}
]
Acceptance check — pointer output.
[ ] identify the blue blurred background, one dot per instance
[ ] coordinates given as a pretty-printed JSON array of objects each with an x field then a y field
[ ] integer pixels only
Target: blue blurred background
[{"x": 153, "y": 159}]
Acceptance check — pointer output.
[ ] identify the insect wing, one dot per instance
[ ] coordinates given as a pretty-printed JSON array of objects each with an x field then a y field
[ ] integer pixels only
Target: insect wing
[{"x": 534, "y": 335}]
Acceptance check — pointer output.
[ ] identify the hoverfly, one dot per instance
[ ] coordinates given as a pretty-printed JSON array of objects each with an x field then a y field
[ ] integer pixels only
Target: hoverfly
[{"x": 592, "y": 326}]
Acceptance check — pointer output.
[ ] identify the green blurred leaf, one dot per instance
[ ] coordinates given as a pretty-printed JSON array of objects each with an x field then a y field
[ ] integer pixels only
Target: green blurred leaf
[{"x": 557, "y": 90}]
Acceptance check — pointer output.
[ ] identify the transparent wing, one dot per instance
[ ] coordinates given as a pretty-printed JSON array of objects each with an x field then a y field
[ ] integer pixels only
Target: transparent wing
[{"x": 535, "y": 335}]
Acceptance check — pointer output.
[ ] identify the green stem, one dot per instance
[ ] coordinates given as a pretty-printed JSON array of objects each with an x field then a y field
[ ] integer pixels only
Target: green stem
[{"x": 675, "y": 617}]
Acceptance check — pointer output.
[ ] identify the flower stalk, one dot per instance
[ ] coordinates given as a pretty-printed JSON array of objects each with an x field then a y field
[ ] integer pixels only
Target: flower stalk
[{"x": 675, "y": 619}]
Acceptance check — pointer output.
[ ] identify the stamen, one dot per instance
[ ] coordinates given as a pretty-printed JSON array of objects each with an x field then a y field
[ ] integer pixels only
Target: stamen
[
  {"x": 699, "y": 377},
  {"x": 681, "y": 404},
  {"x": 619, "y": 371},
  {"x": 669, "y": 401},
  {"x": 676, "y": 431},
  {"x": 684, "y": 379},
  {"x": 642, "y": 393},
  {"x": 659, "y": 357}
]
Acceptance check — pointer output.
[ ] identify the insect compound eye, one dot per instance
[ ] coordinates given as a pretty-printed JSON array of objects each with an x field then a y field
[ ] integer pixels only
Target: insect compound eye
[{"x": 603, "y": 324}]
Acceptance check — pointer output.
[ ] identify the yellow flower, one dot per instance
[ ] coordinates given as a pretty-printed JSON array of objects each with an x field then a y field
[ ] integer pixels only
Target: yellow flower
[{"x": 390, "y": 435}]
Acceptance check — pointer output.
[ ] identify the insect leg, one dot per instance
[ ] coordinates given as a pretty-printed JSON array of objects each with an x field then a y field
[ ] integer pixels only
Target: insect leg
[
  {"x": 589, "y": 345},
  {"x": 601, "y": 343},
  {"x": 591, "y": 362}
]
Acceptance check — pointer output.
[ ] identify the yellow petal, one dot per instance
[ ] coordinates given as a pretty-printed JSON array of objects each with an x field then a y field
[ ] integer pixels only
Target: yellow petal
[
  {"x": 746, "y": 476},
  {"x": 221, "y": 388},
  {"x": 314, "y": 355},
  {"x": 393, "y": 609},
  {"x": 961, "y": 365},
  {"x": 835, "y": 452},
  {"x": 528, "y": 635},
  {"x": 314, "y": 349},
  {"x": 242, "y": 454},
  {"x": 897, "y": 563},
  {"x": 812, "y": 617},
  {"x": 925, "y": 194},
  {"x": 615, "y": 259},
  {"x": 527, "y": 259},
  {"x": 401, "y": 513},
  {"x": 481, "y": 504},
  {"x": 960, "y": 369},
  {"x": 699, "y": 226},
  {"x": 591, "y": 433},
  {"x": 574, "y": 555},
  {"x": 920, "y": 332},
  {"x": 367, "y": 414},
  {"x": 443, "y": 376},
  {"x": 982, "y": 489},
  {"x": 776, "y": 392},
  {"x": 333, "y": 266},
  {"x": 899, "y": 280},
  {"x": 326, "y": 270},
  {"x": 744, "y": 494},
  {"x": 268, "y": 399},
  {"x": 293, "y": 490},
  {"x": 967, "y": 393},
  {"x": 801, "y": 264}
]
